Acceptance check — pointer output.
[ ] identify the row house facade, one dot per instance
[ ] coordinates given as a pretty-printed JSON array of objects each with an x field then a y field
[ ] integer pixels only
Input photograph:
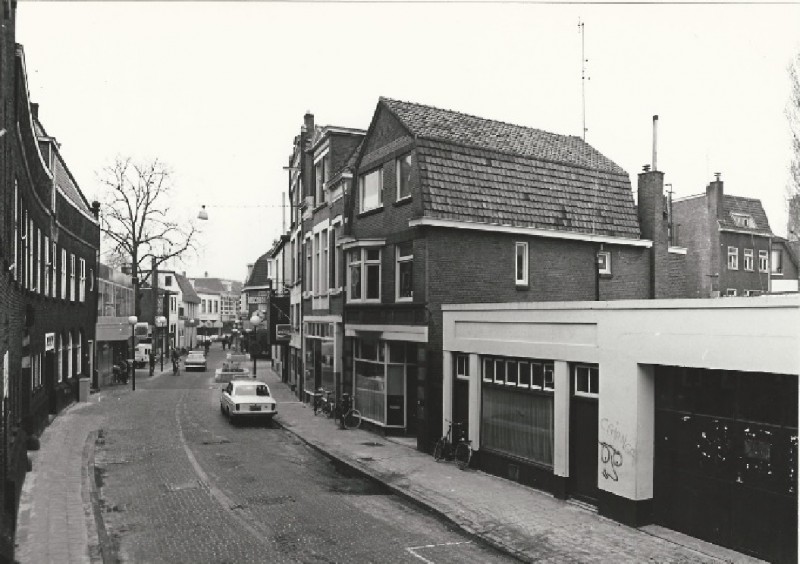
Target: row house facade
[
  {"x": 220, "y": 302},
  {"x": 114, "y": 306},
  {"x": 452, "y": 208},
  {"x": 730, "y": 242},
  {"x": 183, "y": 308},
  {"x": 49, "y": 244}
]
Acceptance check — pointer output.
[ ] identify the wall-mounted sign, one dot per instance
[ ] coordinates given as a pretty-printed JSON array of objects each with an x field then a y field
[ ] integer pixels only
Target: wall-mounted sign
[
  {"x": 141, "y": 329},
  {"x": 257, "y": 299},
  {"x": 283, "y": 332},
  {"x": 49, "y": 342}
]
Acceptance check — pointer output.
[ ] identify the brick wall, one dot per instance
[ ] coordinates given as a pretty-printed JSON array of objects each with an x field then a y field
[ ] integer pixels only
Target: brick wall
[
  {"x": 692, "y": 220},
  {"x": 742, "y": 279}
]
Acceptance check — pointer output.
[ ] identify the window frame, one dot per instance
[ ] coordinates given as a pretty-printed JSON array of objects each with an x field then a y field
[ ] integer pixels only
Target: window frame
[
  {"x": 363, "y": 264},
  {"x": 606, "y": 269},
  {"x": 748, "y": 254},
  {"x": 763, "y": 260},
  {"x": 362, "y": 182},
  {"x": 82, "y": 280},
  {"x": 733, "y": 258},
  {"x": 399, "y": 176},
  {"x": 776, "y": 266},
  {"x": 461, "y": 366},
  {"x": 63, "y": 273},
  {"x": 54, "y": 264},
  {"x": 521, "y": 279},
  {"x": 46, "y": 244},
  {"x": 593, "y": 370},
  {"x": 730, "y": 293},
  {"x": 398, "y": 261}
]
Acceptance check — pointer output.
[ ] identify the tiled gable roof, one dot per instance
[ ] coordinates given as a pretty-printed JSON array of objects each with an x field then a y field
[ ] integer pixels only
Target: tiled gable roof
[
  {"x": 189, "y": 295},
  {"x": 260, "y": 273},
  {"x": 747, "y": 206},
  {"x": 464, "y": 129},
  {"x": 478, "y": 170}
]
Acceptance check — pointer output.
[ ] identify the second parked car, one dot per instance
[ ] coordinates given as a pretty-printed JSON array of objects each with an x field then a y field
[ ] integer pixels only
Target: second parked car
[{"x": 195, "y": 361}]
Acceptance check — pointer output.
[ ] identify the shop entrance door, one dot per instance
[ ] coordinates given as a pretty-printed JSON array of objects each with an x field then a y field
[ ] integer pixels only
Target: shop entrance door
[{"x": 583, "y": 413}]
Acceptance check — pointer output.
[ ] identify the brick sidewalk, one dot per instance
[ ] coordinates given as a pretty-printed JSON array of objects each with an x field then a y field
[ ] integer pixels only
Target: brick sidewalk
[{"x": 522, "y": 521}]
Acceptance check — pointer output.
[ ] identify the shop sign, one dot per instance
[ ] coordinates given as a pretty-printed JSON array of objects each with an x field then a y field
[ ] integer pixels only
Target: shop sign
[
  {"x": 49, "y": 342},
  {"x": 283, "y": 332}
]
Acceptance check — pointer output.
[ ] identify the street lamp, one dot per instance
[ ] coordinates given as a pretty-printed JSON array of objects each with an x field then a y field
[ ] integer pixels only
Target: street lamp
[
  {"x": 256, "y": 321},
  {"x": 132, "y": 321},
  {"x": 161, "y": 322}
]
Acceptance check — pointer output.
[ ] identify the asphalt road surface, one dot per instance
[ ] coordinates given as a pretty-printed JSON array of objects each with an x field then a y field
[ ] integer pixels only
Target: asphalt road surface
[{"x": 176, "y": 482}]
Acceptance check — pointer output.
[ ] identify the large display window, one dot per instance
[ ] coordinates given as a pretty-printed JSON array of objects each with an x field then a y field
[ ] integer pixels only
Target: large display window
[{"x": 382, "y": 371}]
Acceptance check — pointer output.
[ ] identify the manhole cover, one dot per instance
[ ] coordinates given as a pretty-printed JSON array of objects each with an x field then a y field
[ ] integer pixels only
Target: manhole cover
[
  {"x": 366, "y": 459},
  {"x": 220, "y": 441},
  {"x": 372, "y": 444}
]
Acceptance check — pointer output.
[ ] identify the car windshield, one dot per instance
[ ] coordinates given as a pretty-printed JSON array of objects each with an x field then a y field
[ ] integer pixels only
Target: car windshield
[
  {"x": 251, "y": 390},
  {"x": 195, "y": 356}
]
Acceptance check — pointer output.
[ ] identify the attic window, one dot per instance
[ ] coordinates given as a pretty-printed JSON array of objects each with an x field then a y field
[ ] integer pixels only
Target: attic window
[{"x": 743, "y": 220}]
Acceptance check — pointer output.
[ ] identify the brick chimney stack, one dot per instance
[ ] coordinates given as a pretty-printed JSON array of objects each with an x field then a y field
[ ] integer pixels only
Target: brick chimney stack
[
  {"x": 714, "y": 194},
  {"x": 653, "y": 225},
  {"x": 307, "y": 164}
]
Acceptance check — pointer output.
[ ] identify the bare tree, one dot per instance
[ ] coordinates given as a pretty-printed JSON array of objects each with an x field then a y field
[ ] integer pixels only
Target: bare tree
[
  {"x": 793, "y": 114},
  {"x": 136, "y": 218}
]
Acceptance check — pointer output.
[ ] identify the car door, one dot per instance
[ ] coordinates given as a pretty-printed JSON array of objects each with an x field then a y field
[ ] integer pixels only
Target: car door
[{"x": 226, "y": 396}]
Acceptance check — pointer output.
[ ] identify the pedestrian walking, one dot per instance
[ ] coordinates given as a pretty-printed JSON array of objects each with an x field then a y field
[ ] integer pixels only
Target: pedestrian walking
[{"x": 152, "y": 363}]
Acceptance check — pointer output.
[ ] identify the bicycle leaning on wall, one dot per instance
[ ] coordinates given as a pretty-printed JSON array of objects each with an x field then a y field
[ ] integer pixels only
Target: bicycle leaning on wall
[
  {"x": 454, "y": 445},
  {"x": 348, "y": 417}
]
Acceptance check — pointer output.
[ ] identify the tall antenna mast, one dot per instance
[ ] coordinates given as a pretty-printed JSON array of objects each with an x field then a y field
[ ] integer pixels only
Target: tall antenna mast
[{"x": 584, "y": 78}]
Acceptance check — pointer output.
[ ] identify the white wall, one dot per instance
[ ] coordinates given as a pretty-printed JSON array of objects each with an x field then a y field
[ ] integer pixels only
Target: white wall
[{"x": 626, "y": 339}]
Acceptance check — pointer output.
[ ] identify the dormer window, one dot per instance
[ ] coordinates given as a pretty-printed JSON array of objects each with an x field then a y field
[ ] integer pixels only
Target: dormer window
[
  {"x": 743, "y": 220},
  {"x": 321, "y": 174}
]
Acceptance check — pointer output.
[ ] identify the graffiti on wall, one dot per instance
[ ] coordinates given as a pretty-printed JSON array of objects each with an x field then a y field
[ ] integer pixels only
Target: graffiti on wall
[{"x": 614, "y": 447}]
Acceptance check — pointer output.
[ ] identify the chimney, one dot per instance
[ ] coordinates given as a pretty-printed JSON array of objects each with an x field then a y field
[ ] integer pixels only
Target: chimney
[
  {"x": 205, "y": 274},
  {"x": 714, "y": 193},
  {"x": 655, "y": 142},
  {"x": 96, "y": 209},
  {"x": 35, "y": 110},
  {"x": 308, "y": 122},
  {"x": 653, "y": 225}
]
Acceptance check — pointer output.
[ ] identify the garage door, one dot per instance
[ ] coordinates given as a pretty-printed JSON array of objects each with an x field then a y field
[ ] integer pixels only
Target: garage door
[{"x": 726, "y": 459}]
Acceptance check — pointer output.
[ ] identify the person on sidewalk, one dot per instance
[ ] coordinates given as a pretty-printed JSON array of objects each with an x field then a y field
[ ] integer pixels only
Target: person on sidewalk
[{"x": 152, "y": 363}]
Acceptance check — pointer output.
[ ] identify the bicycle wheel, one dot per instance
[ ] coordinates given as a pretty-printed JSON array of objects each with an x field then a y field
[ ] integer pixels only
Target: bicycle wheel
[
  {"x": 352, "y": 419},
  {"x": 438, "y": 450},
  {"x": 463, "y": 455},
  {"x": 326, "y": 409}
]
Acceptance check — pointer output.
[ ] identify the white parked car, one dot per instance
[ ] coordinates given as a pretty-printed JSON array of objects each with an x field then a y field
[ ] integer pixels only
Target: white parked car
[
  {"x": 246, "y": 399},
  {"x": 195, "y": 361}
]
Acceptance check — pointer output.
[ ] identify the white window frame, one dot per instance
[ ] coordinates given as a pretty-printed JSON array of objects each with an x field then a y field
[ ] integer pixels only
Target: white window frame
[
  {"x": 16, "y": 230},
  {"x": 364, "y": 263},
  {"x": 82, "y": 281},
  {"x": 776, "y": 266},
  {"x": 63, "y": 274},
  {"x": 733, "y": 258},
  {"x": 604, "y": 267},
  {"x": 69, "y": 355},
  {"x": 743, "y": 220},
  {"x": 71, "y": 277},
  {"x": 529, "y": 364},
  {"x": 731, "y": 292},
  {"x": 362, "y": 186},
  {"x": 548, "y": 376},
  {"x": 486, "y": 361},
  {"x": 587, "y": 393},
  {"x": 60, "y": 349},
  {"x": 46, "y": 264},
  {"x": 499, "y": 363},
  {"x": 78, "y": 360},
  {"x": 399, "y": 182},
  {"x": 323, "y": 262},
  {"x": 316, "y": 286},
  {"x": 321, "y": 164},
  {"x": 515, "y": 380},
  {"x": 763, "y": 260},
  {"x": 521, "y": 278},
  {"x": 748, "y": 260},
  {"x": 54, "y": 268},
  {"x": 28, "y": 251},
  {"x": 398, "y": 260},
  {"x": 461, "y": 363}
]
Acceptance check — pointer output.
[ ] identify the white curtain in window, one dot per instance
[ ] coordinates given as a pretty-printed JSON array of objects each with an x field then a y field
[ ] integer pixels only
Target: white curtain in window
[
  {"x": 518, "y": 424},
  {"x": 370, "y": 395}
]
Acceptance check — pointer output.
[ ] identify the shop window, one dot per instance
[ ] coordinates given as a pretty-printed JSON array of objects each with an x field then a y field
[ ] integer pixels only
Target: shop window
[
  {"x": 517, "y": 424},
  {"x": 404, "y": 283},
  {"x": 733, "y": 258},
  {"x": 488, "y": 370},
  {"x": 404, "y": 177},
  {"x": 525, "y": 374},
  {"x": 748, "y": 259},
  {"x": 521, "y": 264},
  {"x": 587, "y": 381},
  {"x": 370, "y": 190},
  {"x": 499, "y": 371}
]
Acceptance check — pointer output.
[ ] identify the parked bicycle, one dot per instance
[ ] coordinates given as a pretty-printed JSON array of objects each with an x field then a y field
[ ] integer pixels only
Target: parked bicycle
[
  {"x": 323, "y": 406},
  {"x": 348, "y": 417},
  {"x": 454, "y": 445}
]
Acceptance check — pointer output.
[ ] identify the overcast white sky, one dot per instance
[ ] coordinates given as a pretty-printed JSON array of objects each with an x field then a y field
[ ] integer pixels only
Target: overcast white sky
[{"x": 218, "y": 90}]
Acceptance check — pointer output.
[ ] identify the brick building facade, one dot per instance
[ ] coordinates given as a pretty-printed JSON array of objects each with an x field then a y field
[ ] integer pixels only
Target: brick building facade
[{"x": 48, "y": 306}]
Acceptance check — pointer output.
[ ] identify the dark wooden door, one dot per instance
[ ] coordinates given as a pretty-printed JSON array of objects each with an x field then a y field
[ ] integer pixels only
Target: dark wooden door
[{"x": 583, "y": 413}]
